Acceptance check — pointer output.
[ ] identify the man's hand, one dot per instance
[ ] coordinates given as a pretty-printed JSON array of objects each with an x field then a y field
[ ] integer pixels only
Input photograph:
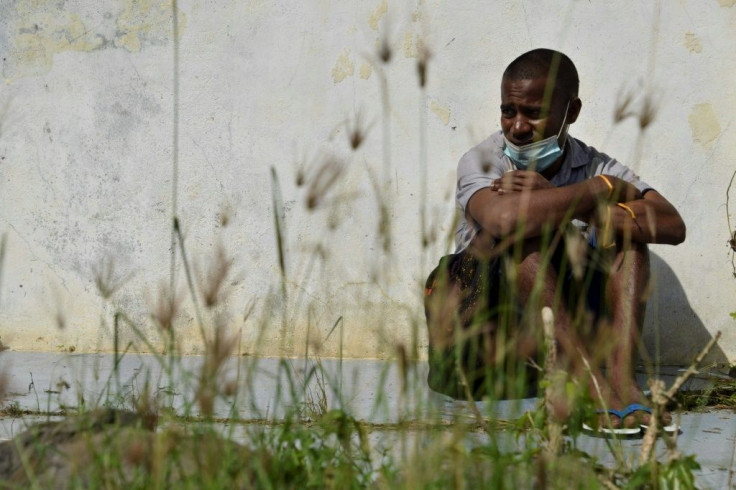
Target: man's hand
[{"x": 520, "y": 180}]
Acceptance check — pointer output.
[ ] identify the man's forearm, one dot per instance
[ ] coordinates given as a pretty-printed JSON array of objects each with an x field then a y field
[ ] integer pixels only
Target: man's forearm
[
  {"x": 528, "y": 213},
  {"x": 649, "y": 220}
]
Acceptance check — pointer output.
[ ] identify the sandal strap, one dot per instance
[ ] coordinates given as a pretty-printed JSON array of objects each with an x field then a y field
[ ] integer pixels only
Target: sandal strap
[
  {"x": 611, "y": 411},
  {"x": 635, "y": 407}
]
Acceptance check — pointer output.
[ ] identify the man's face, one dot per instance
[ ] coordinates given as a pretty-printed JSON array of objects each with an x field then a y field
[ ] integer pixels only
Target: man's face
[{"x": 525, "y": 118}]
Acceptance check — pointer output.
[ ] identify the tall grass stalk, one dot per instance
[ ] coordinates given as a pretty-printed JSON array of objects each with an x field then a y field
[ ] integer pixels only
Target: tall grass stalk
[
  {"x": 175, "y": 142},
  {"x": 731, "y": 232},
  {"x": 3, "y": 245}
]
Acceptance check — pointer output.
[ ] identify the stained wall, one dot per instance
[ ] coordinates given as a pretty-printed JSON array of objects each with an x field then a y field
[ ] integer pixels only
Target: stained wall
[{"x": 237, "y": 117}]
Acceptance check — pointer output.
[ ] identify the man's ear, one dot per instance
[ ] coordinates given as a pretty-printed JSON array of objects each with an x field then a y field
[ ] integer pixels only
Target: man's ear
[{"x": 574, "y": 110}]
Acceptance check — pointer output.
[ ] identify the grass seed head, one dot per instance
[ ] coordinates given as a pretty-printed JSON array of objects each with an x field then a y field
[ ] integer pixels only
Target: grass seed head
[
  {"x": 212, "y": 281},
  {"x": 299, "y": 178},
  {"x": 622, "y": 110},
  {"x": 403, "y": 361},
  {"x": 167, "y": 307},
  {"x": 106, "y": 280},
  {"x": 206, "y": 399},
  {"x": 423, "y": 56},
  {"x": 60, "y": 318},
  {"x": 384, "y": 226},
  {"x": 146, "y": 406},
  {"x": 356, "y": 131},
  {"x": 230, "y": 388},
  {"x": 217, "y": 350},
  {"x": 225, "y": 215},
  {"x": 324, "y": 179},
  {"x": 384, "y": 49},
  {"x": 222, "y": 345},
  {"x": 648, "y": 112}
]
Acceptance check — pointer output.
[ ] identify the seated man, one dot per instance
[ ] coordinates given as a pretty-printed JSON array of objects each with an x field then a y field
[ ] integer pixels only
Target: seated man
[{"x": 545, "y": 220}]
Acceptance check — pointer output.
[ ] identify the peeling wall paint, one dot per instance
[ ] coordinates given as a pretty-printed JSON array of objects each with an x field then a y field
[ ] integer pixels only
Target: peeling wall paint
[
  {"x": 693, "y": 43},
  {"x": 145, "y": 22},
  {"x": 704, "y": 124},
  {"x": 378, "y": 14},
  {"x": 344, "y": 67},
  {"x": 365, "y": 70},
  {"x": 408, "y": 47},
  {"x": 441, "y": 111},
  {"x": 37, "y": 31}
]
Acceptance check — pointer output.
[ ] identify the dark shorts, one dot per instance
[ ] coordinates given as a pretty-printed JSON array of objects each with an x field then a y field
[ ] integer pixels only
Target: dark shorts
[{"x": 472, "y": 312}]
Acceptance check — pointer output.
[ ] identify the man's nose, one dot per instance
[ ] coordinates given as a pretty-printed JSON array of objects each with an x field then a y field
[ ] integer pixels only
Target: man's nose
[{"x": 521, "y": 129}]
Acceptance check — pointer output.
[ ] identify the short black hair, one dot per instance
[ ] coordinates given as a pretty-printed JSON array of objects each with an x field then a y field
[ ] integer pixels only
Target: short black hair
[{"x": 546, "y": 63}]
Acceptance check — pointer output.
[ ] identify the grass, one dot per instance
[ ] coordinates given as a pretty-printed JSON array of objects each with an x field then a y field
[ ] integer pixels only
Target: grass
[
  {"x": 721, "y": 395},
  {"x": 183, "y": 425}
]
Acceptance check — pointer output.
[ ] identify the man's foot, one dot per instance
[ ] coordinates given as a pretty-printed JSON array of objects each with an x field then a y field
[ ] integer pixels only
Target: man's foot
[
  {"x": 642, "y": 414},
  {"x": 610, "y": 406},
  {"x": 621, "y": 409},
  {"x": 665, "y": 422},
  {"x": 611, "y": 422}
]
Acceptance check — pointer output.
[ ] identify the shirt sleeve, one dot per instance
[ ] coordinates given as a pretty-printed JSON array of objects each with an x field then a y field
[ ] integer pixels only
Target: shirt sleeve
[
  {"x": 475, "y": 171},
  {"x": 597, "y": 163},
  {"x": 617, "y": 169}
]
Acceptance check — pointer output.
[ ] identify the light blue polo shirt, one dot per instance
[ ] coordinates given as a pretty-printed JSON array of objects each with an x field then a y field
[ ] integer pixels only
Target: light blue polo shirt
[{"x": 486, "y": 162}]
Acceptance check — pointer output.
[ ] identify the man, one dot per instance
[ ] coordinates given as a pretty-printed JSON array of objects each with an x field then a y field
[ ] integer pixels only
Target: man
[{"x": 545, "y": 220}]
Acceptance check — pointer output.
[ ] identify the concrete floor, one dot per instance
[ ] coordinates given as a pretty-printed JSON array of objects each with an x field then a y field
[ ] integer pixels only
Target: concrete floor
[{"x": 271, "y": 388}]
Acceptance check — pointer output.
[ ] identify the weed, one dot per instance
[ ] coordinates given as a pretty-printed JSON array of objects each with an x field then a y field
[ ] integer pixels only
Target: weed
[{"x": 12, "y": 409}]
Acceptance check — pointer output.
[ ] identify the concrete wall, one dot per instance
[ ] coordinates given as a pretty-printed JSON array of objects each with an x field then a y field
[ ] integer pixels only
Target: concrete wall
[{"x": 91, "y": 152}]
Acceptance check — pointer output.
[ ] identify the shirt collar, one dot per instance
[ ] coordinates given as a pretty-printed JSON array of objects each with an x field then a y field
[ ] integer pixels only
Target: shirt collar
[{"x": 570, "y": 160}]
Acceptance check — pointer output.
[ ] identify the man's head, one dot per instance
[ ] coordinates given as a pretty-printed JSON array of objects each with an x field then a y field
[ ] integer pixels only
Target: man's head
[
  {"x": 549, "y": 64},
  {"x": 539, "y": 94}
]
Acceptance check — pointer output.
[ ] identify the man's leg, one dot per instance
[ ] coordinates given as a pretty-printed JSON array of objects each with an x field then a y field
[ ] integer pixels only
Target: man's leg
[
  {"x": 475, "y": 349},
  {"x": 460, "y": 325},
  {"x": 626, "y": 290},
  {"x": 538, "y": 284}
]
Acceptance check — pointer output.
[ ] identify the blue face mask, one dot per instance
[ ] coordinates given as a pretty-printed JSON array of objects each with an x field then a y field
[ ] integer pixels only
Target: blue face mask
[{"x": 538, "y": 155}]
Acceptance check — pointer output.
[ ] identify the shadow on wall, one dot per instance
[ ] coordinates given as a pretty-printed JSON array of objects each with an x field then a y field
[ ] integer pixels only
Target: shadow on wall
[{"x": 673, "y": 332}]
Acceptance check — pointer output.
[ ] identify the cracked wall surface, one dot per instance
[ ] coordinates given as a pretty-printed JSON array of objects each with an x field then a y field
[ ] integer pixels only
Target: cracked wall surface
[{"x": 100, "y": 131}]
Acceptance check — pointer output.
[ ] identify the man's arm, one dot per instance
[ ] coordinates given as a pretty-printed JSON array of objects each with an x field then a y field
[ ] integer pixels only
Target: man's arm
[
  {"x": 654, "y": 220},
  {"x": 526, "y": 203}
]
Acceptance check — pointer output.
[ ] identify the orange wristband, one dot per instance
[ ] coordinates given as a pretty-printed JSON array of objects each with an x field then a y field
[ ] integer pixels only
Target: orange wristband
[
  {"x": 628, "y": 209},
  {"x": 608, "y": 183}
]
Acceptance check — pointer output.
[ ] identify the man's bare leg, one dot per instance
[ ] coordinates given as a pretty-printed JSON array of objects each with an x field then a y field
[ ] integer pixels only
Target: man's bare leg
[
  {"x": 535, "y": 285},
  {"x": 627, "y": 286}
]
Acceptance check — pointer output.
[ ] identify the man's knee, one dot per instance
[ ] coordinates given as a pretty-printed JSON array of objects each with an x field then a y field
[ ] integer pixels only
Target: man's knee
[
  {"x": 533, "y": 266},
  {"x": 632, "y": 263}
]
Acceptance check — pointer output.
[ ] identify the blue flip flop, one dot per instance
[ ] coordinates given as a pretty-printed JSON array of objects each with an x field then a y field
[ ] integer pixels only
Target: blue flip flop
[
  {"x": 638, "y": 407},
  {"x": 621, "y": 431}
]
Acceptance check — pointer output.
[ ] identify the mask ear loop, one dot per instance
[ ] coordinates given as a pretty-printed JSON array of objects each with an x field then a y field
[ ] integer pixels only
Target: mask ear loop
[{"x": 564, "y": 120}]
